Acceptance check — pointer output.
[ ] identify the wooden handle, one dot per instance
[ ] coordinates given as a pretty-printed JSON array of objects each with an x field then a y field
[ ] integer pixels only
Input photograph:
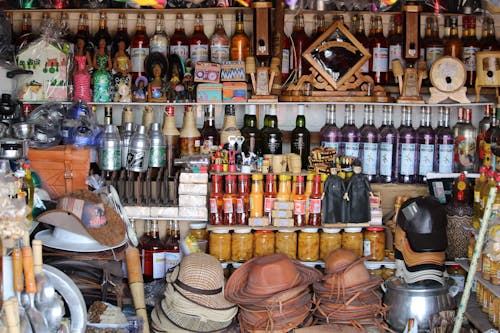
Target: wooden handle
[
  {"x": 134, "y": 274},
  {"x": 29, "y": 274},
  {"x": 36, "y": 244},
  {"x": 17, "y": 270},
  {"x": 397, "y": 68},
  {"x": 133, "y": 260},
  {"x": 137, "y": 291},
  {"x": 11, "y": 309}
]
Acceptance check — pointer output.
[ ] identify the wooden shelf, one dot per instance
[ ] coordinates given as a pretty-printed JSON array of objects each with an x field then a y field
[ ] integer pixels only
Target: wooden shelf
[
  {"x": 464, "y": 263},
  {"x": 328, "y": 225},
  {"x": 211, "y": 10},
  {"x": 476, "y": 316}
]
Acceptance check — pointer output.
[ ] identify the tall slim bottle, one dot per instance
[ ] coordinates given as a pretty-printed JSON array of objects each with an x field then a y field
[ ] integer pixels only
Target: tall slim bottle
[
  {"x": 350, "y": 134},
  {"x": 379, "y": 48},
  {"x": 388, "y": 147},
  {"x": 198, "y": 43},
  {"x": 173, "y": 254},
  {"x": 179, "y": 43},
  {"x": 444, "y": 141},
  {"x": 369, "y": 138},
  {"x": 483, "y": 126},
  {"x": 465, "y": 142},
  {"x": 139, "y": 47},
  {"x": 120, "y": 35},
  {"x": 470, "y": 47},
  {"x": 301, "y": 42},
  {"x": 407, "y": 148},
  {"x": 271, "y": 134},
  {"x": 219, "y": 42},
  {"x": 159, "y": 41},
  {"x": 396, "y": 43},
  {"x": 330, "y": 133},
  {"x": 240, "y": 43},
  {"x": 301, "y": 137},
  {"x": 426, "y": 141},
  {"x": 209, "y": 134}
]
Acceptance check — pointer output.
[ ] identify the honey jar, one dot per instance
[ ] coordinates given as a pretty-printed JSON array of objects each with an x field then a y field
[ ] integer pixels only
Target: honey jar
[
  {"x": 286, "y": 243},
  {"x": 242, "y": 245},
  {"x": 330, "y": 239},
  {"x": 220, "y": 244},
  {"x": 352, "y": 239},
  {"x": 374, "y": 269},
  {"x": 486, "y": 300},
  {"x": 263, "y": 243},
  {"x": 308, "y": 245},
  {"x": 495, "y": 272},
  {"x": 388, "y": 271},
  {"x": 486, "y": 267},
  {"x": 198, "y": 231},
  {"x": 374, "y": 243}
]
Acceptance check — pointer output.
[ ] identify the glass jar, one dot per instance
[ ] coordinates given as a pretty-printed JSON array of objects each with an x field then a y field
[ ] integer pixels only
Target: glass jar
[
  {"x": 263, "y": 243},
  {"x": 198, "y": 231},
  {"x": 374, "y": 243},
  {"x": 495, "y": 272},
  {"x": 486, "y": 300},
  {"x": 388, "y": 271},
  {"x": 286, "y": 243},
  {"x": 374, "y": 269},
  {"x": 220, "y": 244},
  {"x": 242, "y": 245},
  {"x": 471, "y": 246},
  {"x": 308, "y": 247},
  {"x": 486, "y": 267},
  {"x": 352, "y": 239},
  {"x": 330, "y": 240}
]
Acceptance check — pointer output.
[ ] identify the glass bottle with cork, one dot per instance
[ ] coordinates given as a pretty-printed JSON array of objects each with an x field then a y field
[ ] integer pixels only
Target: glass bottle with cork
[
  {"x": 216, "y": 201},
  {"x": 229, "y": 200},
  {"x": 219, "y": 42},
  {"x": 240, "y": 43},
  {"x": 299, "y": 203},
  {"x": 198, "y": 43},
  {"x": 153, "y": 255},
  {"x": 189, "y": 137},
  {"x": 179, "y": 43},
  {"x": 242, "y": 201}
]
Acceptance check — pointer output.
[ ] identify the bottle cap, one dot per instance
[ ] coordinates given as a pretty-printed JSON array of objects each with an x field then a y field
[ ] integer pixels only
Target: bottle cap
[
  {"x": 331, "y": 230},
  {"x": 310, "y": 230},
  {"x": 220, "y": 231},
  {"x": 300, "y": 110},
  {"x": 243, "y": 230},
  {"x": 197, "y": 226},
  {"x": 252, "y": 110}
]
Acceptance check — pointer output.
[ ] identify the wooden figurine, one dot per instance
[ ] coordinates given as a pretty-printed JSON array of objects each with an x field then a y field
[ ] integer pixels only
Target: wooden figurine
[{"x": 410, "y": 81}]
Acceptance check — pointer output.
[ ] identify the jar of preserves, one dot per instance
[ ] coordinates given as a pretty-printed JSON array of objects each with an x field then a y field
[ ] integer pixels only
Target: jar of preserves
[
  {"x": 471, "y": 246},
  {"x": 495, "y": 272},
  {"x": 198, "y": 231},
  {"x": 242, "y": 245},
  {"x": 388, "y": 271},
  {"x": 352, "y": 239},
  {"x": 330, "y": 239},
  {"x": 374, "y": 269},
  {"x": 374, "y": 243},
  {"x": 486, "y": 300},
  {"x": 486, "y": 267},
  {"x": 286, "y": 243},
  {"x": 308, "y": 245},
  {"x": 263, "y": 243},
  {"x": 219, "y": 244}
]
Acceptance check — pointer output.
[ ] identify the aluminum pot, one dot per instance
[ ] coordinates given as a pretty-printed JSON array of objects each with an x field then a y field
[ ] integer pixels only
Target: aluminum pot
[{"x": 419, "y": 301}]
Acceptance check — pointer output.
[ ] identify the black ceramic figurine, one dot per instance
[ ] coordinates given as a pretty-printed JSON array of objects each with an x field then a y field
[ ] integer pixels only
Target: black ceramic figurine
[
  {"x": 333, "y": 210},
  {"x": 357, "y": 196}
]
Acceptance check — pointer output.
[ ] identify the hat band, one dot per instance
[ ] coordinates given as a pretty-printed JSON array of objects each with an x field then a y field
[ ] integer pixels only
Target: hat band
[{"x": 196, "y": 290}]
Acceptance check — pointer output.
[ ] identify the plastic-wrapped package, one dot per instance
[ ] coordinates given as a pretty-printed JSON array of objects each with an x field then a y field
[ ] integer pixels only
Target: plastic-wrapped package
[
  {"x": 80, "y": 126},
  {"x": 56, "y": 4},
  {"x": 48, "y": 120}
]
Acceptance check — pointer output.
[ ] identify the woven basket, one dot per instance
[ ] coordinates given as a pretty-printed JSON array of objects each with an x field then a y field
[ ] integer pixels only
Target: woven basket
[{"x": 458, "y": 234}]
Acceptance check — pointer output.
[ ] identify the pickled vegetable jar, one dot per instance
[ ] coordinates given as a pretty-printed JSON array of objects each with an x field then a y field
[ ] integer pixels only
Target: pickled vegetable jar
[
  {"x": 263, "y": 243},
  {"x": 374, "y": 243},
  {"x": 330, "y": 239},
  {"x": 286, "y": 243},
  {"x": 308, "y": 247},
  {"x": 220, "y": 244},
  {"x": 242, "y": 245},
  {"x": 198, "y": 231},
  {"x": 352, "y": 239}
]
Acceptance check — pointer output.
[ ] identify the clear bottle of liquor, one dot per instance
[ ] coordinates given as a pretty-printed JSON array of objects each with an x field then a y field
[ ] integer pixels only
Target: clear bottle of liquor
[
  {"x": 198, "y": 43},
  {"x": 369, "y": 137},
  {"x": 301, "y": 137},
  {"x": 350, "y": 134},
  {"x": 271, "y": 135},
  {"x": 483, "y": 126},
  {"x": 219, "y": 42},
  {"x": 159, "y": 41},
  {"x": 179, "y": 43},
  {"x": 465, "y": 142},
  {"x": 426, "y": 141},
  {"x": 388, "y": 147},
  {"x": 407, "y": 148},
  {"x": 139, "y": 47},
  {"x": 379, "y": 48},
  {"x": 444, "y": 141},
  {"x": 209, "y": 134},
  {"x": 330, "y": 133}
]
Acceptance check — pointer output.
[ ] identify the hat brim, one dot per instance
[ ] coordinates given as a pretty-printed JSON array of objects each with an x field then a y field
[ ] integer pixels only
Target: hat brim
[
  {"x": 48, "y": 239},
  {"x": 238, "y": 291}
]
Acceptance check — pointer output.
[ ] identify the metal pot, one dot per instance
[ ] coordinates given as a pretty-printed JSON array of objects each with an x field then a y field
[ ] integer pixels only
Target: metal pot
[
  {"x": 416, "y": 301},
  {"x": 12, "y": 149}
]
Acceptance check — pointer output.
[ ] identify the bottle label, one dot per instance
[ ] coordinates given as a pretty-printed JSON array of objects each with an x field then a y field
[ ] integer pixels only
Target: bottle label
[
  {"x": 465, "y": 153},
  {"x": 298, "y": 144},
  {"x": 172, "y": 259},
  {"x": 213, "y": 205},
  {"x": 268, "y": 204},
  {"x": 477, "y": 196},
  {"x": 469, "y": 57},
  {"x": 137, "y": 160},
  {"x": 198, "y": 52},
  {"x": 181, "y": 50},
  {"x": 158, "y": 265},
  {"x": 137, "y": 57},
  {"x": 407, "y": 159},
  {"x": 445, "y": 160},
  {"x": 285, "y": 61},
  {"x": 487, "y": 155},
  {"x": 367, "y": 249},
  {"x": 190, "y": 145},
  {"x": 369, "y": 158},
  {"x": 328, "y": 144},
  {"x": 426, "y": 159},
  {"x": 239, "y": 206},
  {"x": 160, "y": 48},
  {"x": 366, "y": 67},
  {"x": 432, "y": 54},
  {"x": 228, "y": 205},
  {"x": 111, "y": 159},
  {"x": 386, "y": 158},
  {"x": 395, "y": 53},
  {"x": 314, "y": 206},
  {"x": 380, "y": 59},
  {"x": 351, "y": 149},
  {"x": 274, "y": 146},
  {"x": 158, "y": 157},
  {"x": 219, "y": 53},
  {"x": 299, "y": 207}
]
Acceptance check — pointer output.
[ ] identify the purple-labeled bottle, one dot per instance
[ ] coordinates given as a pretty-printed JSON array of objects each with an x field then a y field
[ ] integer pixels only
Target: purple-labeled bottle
[
  {"x": 350, "y": 134},
  {"x": 369, "y": 137},
  {"x": 426, "y": 141},
  {"x": 388, "y": 148},
  {"x": 407, "y": 148},
  {"x": 330, "y": 133},
  {"x": 444, "y": 141}
]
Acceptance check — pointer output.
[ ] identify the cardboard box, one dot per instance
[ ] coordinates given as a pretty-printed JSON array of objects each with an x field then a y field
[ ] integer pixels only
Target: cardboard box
[
  {"x": 193, "y": 178},
  {"x": 283, "y": 205},
  {"x": 258, "y": 222},
  {"x": 283, "y": 222},
  {"x": 209, "y": 92},
  {"x": 233, "y": 71},
  {"x": 281, "y": 214},
  {"x": 193, "y": 189},
  {"x": 186, "y": 200},
  {"x": 207, "y": 72},
  {"x": 234, "y": 92},
  {"x": 193, "y": 212}
]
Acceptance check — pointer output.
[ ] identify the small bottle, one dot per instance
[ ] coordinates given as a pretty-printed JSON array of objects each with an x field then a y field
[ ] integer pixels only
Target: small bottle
[
  {"x": 159, "y": 41},
  {"x": 301, "y": 137},
  {"x": 198, "y": 43},
  {"x": 219, "y": 42},
  {"x": 257, "y": 197},
  {"x": 271, "y": 134},
  {"x": 407, "y": 148},
  {"x": 153, "y": 255},
  {"x": 26, "y": 36},
  {"x": 269, "y": 196},
  {"x": 471, "y": 46},
  {"x": 434, "y": 47},
  {"x": 299, "y": 203},
  {"x": 229, "y": 200},
  {"x": 190, "y": 137},
  {"x": 139, "y": 47},
  {"x": 240, "y": 43},
  {"x": 426, "y": 141},
  {"x": 242, "y": 201},
  {"x": 173, "y": 254},
  {"x": 179, "y": 43},
  {"x": 216, "y": 201},
  {"x": 315, "y": 202},
  {"x": 488, "y": 40}
]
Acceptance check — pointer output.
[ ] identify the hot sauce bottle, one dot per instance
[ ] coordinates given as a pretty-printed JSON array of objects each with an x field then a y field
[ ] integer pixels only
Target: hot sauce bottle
[
  {"x": 299, "y": 203},
  {"x": 242, "y": 200},
  {"x": 216, "y": 202},
  {"x": 315, "y": 202},
  {"x": 229, "y": 200},
  {"x": 283, "y": 189},
  {"x": 257, "y": 197},
  {"x": 269, "y": 195}
]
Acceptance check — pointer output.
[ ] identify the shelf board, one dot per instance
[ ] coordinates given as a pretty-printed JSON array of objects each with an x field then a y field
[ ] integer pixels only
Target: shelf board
[
  {"x": 491, "y": 287},
  {"x": 476, "y": 316},
  {"x": 211, "y": 10},
  {"x": 270, "y": 227}
]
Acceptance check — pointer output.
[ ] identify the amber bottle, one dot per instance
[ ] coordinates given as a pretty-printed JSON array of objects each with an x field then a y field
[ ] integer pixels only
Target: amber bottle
[
  {"x": 242, "y": 200},
  {"x": 453, "y": 46},
  {"x": 299, "y": 203},
  {"x": 240, "y": 43},
  {"x": 229, "y": 200},
  {"x": 216, "y": 201},
  {"x": 471, "y": 45},
  {"x": 153, "y": 255},
  {"x": 172, "y": 248},
  {"x": 315, "y": 202}
]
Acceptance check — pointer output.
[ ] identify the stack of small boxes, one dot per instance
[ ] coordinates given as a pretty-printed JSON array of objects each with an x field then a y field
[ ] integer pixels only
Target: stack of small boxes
[
  {"x": 193, "y": 191},
  {"x": 376, "y": 210},
  {"x": 282, "y": 214}
]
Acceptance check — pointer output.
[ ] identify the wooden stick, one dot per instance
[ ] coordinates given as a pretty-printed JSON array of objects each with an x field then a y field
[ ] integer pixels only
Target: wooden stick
[
  {"x": 37, "y": 256},
  {"x": 11, "y": 309},
  {"x": 29, "y": 274},
  {"x": 136, "y": 283}
]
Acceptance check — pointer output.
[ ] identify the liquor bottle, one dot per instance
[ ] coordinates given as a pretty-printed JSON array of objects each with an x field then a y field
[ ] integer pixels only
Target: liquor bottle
[
  {"x": 29, "y": 188},
  {"x": 26, "y": 36},
  {"x": 240, "y": 43},
  {"x": 395, "y": 40},
  {"x": 229, "y": 127},
  {"x": 360, "y": 34},
  {"x": 407, "y": 149},
  {"x": 242, "y": 201},
  {"x": 369, "y": 138},
  {"x": 139, "y": 48},
  {"x": 153, "y": 255},
  {"x": 173, "y": 254},
  {"x": 444, "y": 141},
  {"x": 209, "y": 134},
  {"x": 144, "y": 238},
  {"x": 465, "y": 142},
  {"x": 110, "y": 153},
  {"x": 257, "y": 196},
  {"x": 198, "y": 43},
  {"x": 299, "y": 203},
  {"x": 271, "y": 134},
  {"x": 446, "y": 29},
  {"x": 189, "y": 137},
  {"x": 483, "y": 126},
  {"x": 300, "y": 42},
  {"x": 84, "y": 32},
  {"x": 229, "y": 200},
  {"x": 179, "y": 43},
  {"x": 216, "y": 201},
  {"x": 488, "y": 144},
  {"x": 426, "y": 142},
  {"x": 379, "y": 48},
  {"x": 434, "y": 47},
  {"x": 121, "y": 34},
  {"x": 470, "y": 47},
  {"x": 488, "y": 40},
  {"x": 349, "y": 145},
  {"x": 138, "y": 151},
  {"x": 330, "y": 134},
  {"x": 301, "y": 137},
  {"x": 159, "y": 41},
  {"x": 320, "y": 26},
  {"x": 315, "y": 202},
  {"x": 171, "y": 134},
  {"x": 103, "y": 32},
  {"x": 269, "y": 196},
  {"x": 453, "y": 45},
  {"x": 219, "y": 42},
  {"x": 252, "y": 135},
  {"x": 286, "y": 58},
  {"x": 388, "y": 147},
  {"x": 476, "y": 205}
]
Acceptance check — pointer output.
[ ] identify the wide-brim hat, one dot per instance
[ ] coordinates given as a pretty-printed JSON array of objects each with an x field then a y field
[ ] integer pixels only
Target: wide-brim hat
[
  {"x": 62, "y": 239},
  {"x": 264, "y": 277},
  {"x": 83, "y": 212}
]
